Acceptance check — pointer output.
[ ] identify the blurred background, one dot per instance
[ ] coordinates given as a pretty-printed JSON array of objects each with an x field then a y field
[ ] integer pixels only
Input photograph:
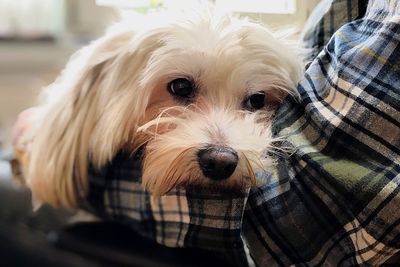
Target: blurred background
[{"x": 38, "y": 36}]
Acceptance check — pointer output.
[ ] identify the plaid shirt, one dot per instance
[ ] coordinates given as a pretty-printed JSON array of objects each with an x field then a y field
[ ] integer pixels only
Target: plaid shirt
[
  {"x": 322, "y": 24},
  {"x": 333, "y": 202}
]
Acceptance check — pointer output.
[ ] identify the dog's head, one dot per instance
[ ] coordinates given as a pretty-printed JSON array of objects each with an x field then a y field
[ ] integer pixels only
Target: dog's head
[{"x": 198, "y": 93}]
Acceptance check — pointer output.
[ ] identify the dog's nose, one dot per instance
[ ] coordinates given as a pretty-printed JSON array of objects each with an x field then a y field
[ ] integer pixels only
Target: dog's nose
[{"x": 217, "y": 162}]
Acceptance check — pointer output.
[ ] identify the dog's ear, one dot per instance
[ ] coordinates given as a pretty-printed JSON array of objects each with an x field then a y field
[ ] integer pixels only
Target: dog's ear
[{"x": 87, "y": 115}]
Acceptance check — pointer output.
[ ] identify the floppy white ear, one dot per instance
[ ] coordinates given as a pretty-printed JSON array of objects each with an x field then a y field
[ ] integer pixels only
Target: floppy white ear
[{"x": 88, "y": 115}]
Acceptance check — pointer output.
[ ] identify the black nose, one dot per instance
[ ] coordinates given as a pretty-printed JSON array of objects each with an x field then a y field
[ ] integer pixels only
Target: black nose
[{"x": 217, "y": 162}]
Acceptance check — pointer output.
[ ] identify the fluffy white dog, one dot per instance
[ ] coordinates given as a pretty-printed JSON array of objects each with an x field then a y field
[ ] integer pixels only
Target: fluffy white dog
[{"x": 196, "y": 94}]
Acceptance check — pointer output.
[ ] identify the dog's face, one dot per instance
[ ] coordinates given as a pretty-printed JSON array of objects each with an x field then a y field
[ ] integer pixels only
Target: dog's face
[{"x": 198, "y": 95}]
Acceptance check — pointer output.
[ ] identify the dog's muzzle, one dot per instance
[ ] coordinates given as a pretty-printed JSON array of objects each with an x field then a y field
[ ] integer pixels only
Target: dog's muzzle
[{"x": 217, "y": 162}]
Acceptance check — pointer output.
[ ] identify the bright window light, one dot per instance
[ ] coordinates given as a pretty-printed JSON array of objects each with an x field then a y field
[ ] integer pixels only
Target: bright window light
[
  {"x": 136, "y": 4},
  {"x": 247, "y": 6},
  {"x": 259, "y": 6},
  {"x": 30, "y": 19},
  {"x": 145, "y": 6}
]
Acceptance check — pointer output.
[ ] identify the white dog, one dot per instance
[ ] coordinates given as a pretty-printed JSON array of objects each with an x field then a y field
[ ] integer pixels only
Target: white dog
[{"x": 197, "y": 94}]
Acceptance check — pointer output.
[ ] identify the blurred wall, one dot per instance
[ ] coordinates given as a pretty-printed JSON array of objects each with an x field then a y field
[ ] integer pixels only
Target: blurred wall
[{"x": 27, "y": 66}]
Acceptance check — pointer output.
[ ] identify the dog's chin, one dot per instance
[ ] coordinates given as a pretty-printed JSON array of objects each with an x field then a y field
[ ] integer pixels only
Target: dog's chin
[{"x": 172, "y": 168}]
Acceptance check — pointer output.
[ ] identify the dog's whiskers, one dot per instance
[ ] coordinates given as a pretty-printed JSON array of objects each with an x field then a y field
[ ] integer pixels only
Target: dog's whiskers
[
  {"x": 249, "y": 169},
  {"x": 174, "y": 174}
]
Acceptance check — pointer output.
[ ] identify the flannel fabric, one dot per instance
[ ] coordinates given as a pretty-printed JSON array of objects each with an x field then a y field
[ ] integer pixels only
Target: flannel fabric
[
  {"x": 326, "y": 18},
  {"x": 334, "y": 201}
]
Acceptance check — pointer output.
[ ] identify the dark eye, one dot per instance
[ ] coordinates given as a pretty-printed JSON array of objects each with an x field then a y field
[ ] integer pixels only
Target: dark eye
[
  {"x": 182, "y": 88},
  {"x": 255, "y": 101}
]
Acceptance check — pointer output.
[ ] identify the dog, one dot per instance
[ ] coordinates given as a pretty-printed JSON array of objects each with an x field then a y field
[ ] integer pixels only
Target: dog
[{"x": 196, "y": 93}]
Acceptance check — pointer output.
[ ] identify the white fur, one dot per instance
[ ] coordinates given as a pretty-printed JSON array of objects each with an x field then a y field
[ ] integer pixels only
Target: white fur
[{"x": 102, "y": 102}]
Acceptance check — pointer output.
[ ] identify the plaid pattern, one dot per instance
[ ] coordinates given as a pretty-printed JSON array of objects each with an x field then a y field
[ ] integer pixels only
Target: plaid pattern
[
  {"x": 334, "y": 201},
  {"x": 318, "y": 31},
  {"x": 191, "y": 218}
]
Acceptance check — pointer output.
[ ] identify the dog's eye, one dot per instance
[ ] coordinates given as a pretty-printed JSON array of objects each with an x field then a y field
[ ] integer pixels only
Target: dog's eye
[
  {"x": 181, "y": 87},
  {"x": 255, "y": 101}
]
